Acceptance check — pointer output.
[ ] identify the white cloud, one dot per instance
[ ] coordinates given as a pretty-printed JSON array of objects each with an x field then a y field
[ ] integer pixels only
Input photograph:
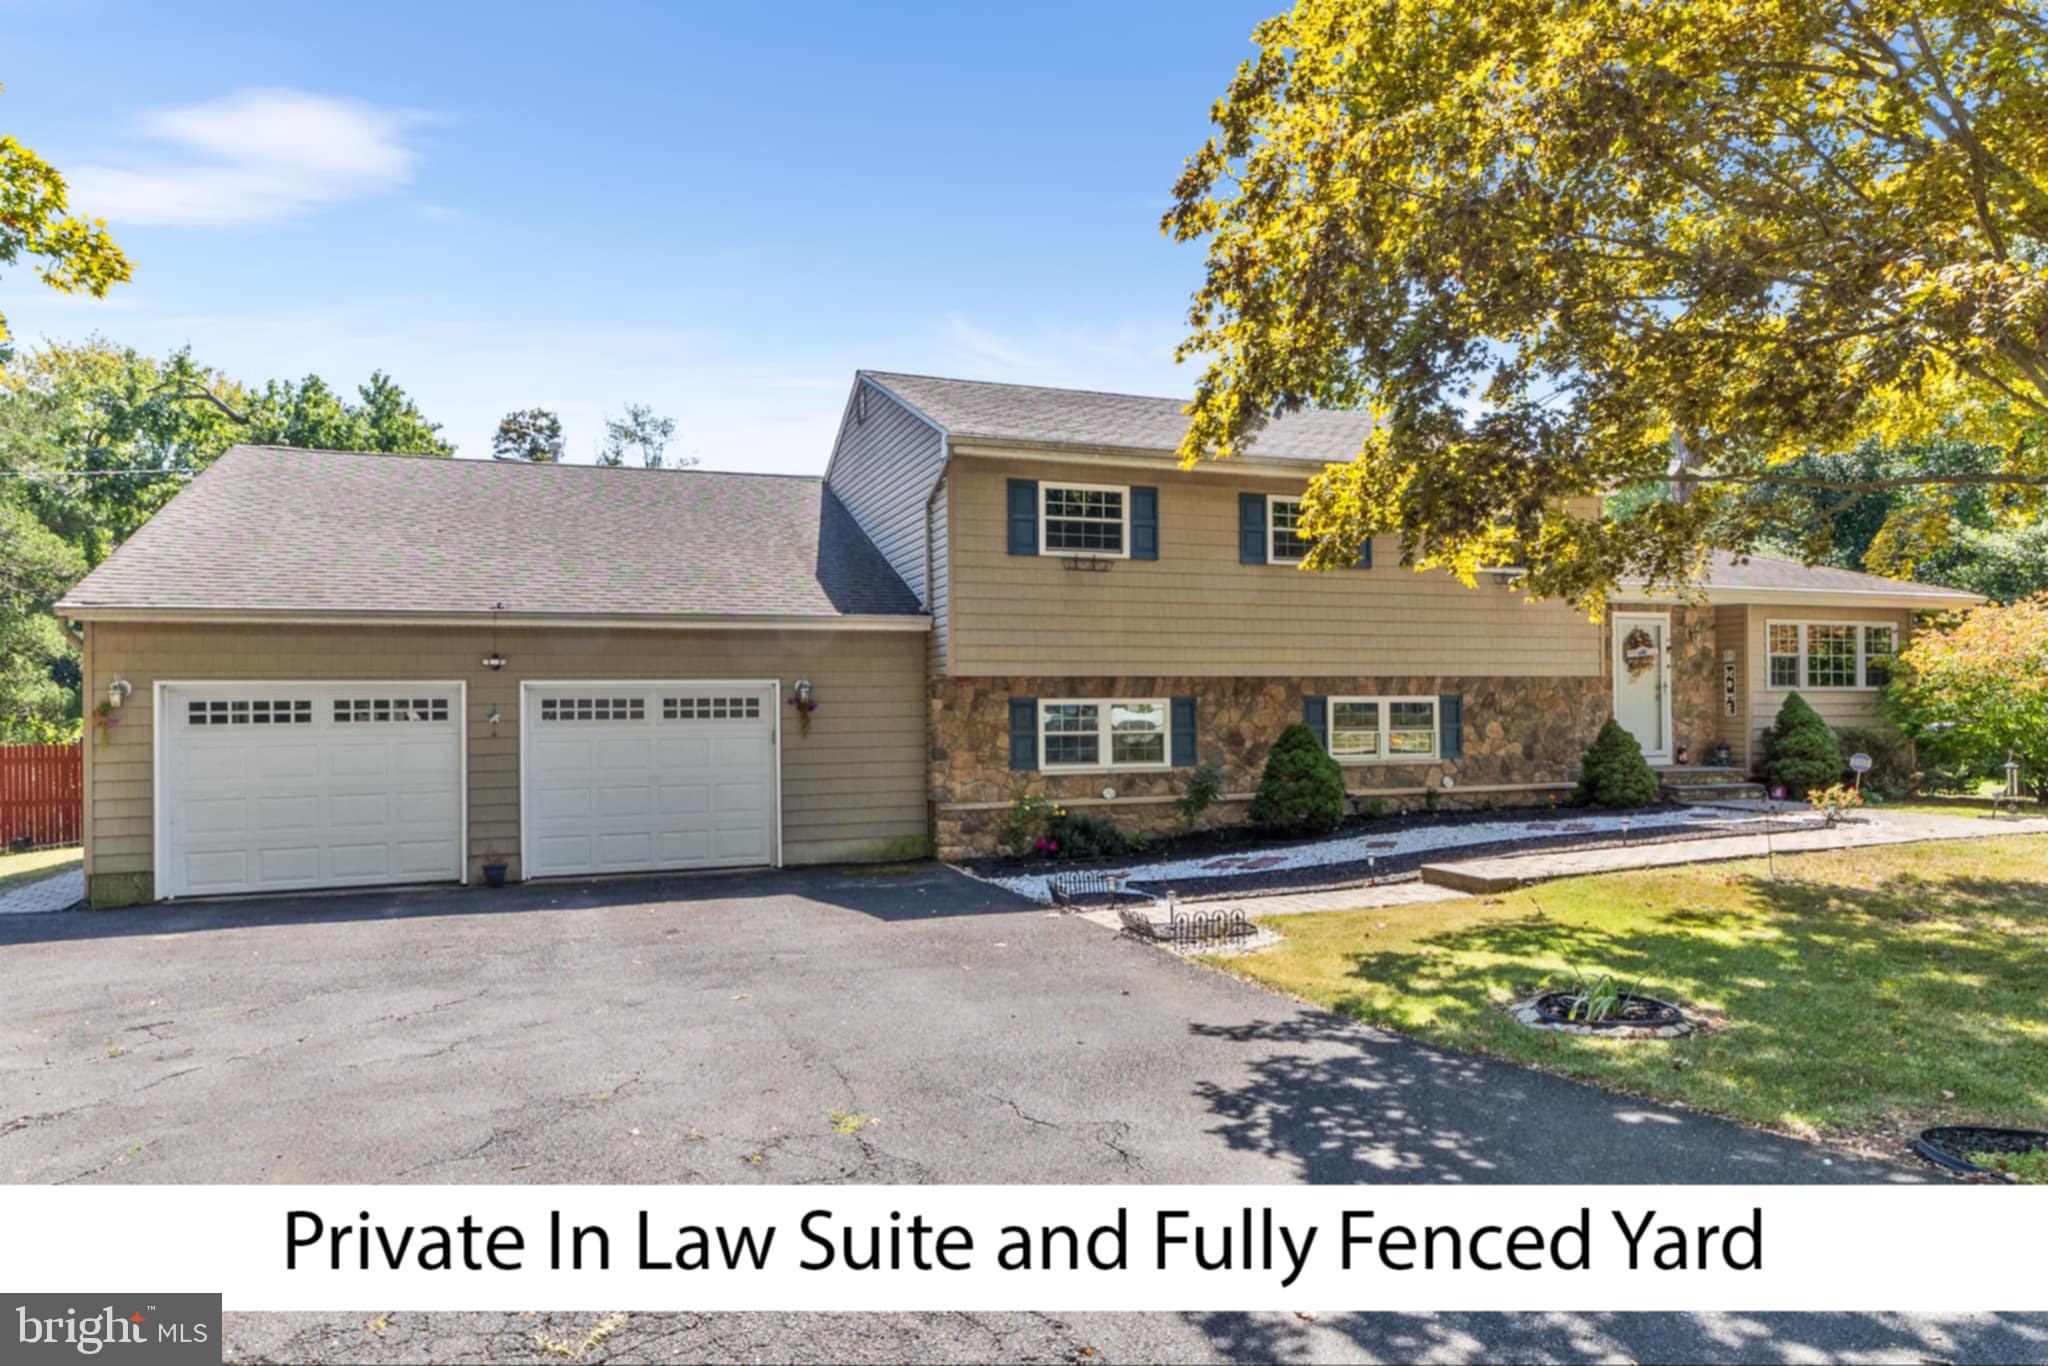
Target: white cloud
[{"x": 251, "y": 157}]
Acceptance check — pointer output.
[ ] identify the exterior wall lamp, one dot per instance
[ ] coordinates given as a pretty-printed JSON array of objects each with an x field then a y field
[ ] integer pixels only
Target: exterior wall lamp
[
  {"x": 494, "y": 661},
  {"x": 117, "y": 692}
]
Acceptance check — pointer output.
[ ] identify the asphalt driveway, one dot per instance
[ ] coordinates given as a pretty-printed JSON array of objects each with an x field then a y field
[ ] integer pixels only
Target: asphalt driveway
[
  {"x": 708, "y": 1029},
  {"x": 712, "y": 1028}
]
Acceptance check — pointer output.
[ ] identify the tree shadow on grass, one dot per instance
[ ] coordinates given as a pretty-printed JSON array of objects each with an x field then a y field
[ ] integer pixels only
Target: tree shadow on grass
[
  {"x": 1844, "y": 1005},
  {"x": 1719, "y": 1337},
  {"x": 1349, "y": 1104}
]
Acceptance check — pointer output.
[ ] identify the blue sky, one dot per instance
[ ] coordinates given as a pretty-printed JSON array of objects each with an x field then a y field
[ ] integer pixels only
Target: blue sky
[{"x": 721, "y": 211}]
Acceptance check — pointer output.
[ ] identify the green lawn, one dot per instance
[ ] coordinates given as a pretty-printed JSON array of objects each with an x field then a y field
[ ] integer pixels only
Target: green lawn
[
  {"x": 35, "y": 865},
  {"x": 1958, "y": 806},
  {"x": 1862, "y": 992}
]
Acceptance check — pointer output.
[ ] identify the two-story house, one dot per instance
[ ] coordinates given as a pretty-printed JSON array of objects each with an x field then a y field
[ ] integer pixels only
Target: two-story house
[{"x": 327, "y": 669}]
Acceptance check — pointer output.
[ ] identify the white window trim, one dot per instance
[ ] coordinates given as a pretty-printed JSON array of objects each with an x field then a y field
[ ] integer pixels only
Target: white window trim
[
  {"x": 1273, "y": 532},
  {"x": 1436, "y": 731},
  {"x": 1863, "y": 657},
  {"x": 1103, "y": 749},
  {"x": 1045, "y": 486}
]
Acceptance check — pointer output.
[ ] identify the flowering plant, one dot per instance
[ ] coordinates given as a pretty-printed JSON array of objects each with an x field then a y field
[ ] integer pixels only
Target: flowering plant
[
  {"x": 105, "y": 715},
  {"x": 1833, "y": 801},
  {"x": 804, "y": 707}
]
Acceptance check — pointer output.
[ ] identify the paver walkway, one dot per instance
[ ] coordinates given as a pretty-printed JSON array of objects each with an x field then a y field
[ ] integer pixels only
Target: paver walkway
[
  {"x": 1361, "y": 844},
  {"x": 1874, "y": 827},
  {"x": 57, "y": 893},
  {"x": 1491, "y": 874}
]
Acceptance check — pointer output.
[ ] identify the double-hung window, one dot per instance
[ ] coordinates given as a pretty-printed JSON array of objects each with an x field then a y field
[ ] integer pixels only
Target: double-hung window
[
  {"x": 1084, "y": 519},
  {"x": 1387, "y": 729},
  {"x": 1103, "y": 734},
  {"x": 1284, "y": 544},
  {"x": 1828, "y": 655}
]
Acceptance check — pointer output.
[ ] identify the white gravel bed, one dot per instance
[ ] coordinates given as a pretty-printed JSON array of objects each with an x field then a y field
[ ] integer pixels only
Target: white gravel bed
[{"x": 1187, "y": 874}]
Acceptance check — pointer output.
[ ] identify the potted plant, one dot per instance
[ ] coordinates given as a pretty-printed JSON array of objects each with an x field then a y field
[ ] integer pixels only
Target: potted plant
[{"x": 494, "y": 870}]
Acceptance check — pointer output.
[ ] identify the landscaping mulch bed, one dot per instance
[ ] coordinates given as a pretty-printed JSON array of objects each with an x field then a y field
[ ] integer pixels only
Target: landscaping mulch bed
[
  {"x": 1951, "y": 1146},
  {"x": 1401, "y": 867},
  {"x": 1239, "y": 839}
]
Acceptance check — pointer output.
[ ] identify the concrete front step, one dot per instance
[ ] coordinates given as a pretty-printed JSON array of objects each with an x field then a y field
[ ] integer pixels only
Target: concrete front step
[
  {"x": 1700, "y": 794},
  {"x": 1696, "y": 775}
]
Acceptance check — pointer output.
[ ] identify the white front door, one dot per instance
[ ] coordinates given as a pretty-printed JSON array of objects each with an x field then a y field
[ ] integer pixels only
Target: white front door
[
  {"x": 270, "y": 787},
  {"x": 638, "y": 777},
  {"x": 1642, "y": 681}
]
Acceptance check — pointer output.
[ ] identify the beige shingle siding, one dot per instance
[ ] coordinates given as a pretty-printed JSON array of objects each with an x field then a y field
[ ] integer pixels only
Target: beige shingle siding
[
  {"x": 1838, "y": 707},
  {"x": 941, "y": 571},
  {"x": 1197, "y": 611},
  {"x": 856, "y": 780},
  {"x": 883, "y": 468},
  {"x": 1731, "y": 632}
]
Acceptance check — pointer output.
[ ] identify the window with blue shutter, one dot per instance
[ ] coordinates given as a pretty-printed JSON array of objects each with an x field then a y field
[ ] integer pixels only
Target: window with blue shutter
[
  {"x": 1364, "y": 560},
  {"x": 1251, "y": 528},
  {"x": 1144, "y": 524},
  {"x": 1023, "y": 516},
  {"x": 1023, "y": 733},
  {"x": 1315, "y": 714},
  {"x": 1183, "y": 732},
  {"x": 1450, "y": 723}
]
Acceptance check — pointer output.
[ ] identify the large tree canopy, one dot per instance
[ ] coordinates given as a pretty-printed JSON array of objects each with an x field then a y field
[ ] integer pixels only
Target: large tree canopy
[
  {"x": 71, "y": 253},
  {"x": 94, "y": 438},
  {"x": 1561, "y": 250}
]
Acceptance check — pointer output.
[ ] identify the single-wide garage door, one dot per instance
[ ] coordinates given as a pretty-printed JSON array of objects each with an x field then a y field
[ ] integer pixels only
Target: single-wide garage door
[
  {"x": 646, "y": 776},
  {"x": 276, "y": 786}
]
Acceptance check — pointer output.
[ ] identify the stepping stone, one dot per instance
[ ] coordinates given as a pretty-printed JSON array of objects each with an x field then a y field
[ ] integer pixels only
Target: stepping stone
[
  {"x": 1383, "y": 844},
  {"x": 1542, "y": 825},
  {"x": 1577, "y": 829},
  {"x": 1224, "y": 863},
  {"x": 1270, "y": 861}
]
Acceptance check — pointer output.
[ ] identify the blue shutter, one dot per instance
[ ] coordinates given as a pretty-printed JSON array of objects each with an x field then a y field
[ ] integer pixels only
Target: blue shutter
[
  {"x": 1144, "y": 524},
  {"x": 1251, "y": 528},
  {"x": 1023, "y": 733},
  {"x": 1023, "y": 516},
  {"x": 1183, "y": 732},
  {"x": 1364, "y": 560},
  {"x": 1315, "y": 714},
  {"x": 1450, "y": 725}
]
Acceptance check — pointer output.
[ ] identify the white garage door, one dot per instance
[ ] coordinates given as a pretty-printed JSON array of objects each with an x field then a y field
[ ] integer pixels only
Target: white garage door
[
  {"x": 645, "y": 776},
  {"x": 275, "y": 786}
]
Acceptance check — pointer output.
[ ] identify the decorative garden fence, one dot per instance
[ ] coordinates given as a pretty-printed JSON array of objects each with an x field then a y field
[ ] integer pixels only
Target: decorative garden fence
[{"x": 42, "y": 795}]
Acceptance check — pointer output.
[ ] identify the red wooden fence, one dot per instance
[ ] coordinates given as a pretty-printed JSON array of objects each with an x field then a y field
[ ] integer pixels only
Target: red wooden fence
[{"x": 42, "y": 794}]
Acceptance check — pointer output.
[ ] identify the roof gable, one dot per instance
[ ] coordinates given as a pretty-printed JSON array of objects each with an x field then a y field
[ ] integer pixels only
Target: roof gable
[{"x": 976, "y": 409}]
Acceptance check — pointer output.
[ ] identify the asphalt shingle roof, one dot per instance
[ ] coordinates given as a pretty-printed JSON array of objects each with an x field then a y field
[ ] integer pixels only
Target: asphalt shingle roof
[
  {"x": 268, "y": 528},
  {"x": 970, "y": 409},
  {"x": 1764, "y": 572}
]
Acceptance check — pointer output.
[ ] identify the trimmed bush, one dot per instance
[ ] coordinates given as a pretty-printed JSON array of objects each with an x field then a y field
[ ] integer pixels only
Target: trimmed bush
[
  {"x": 1302, "y": 790},
  {"x": 1891, "y": 759},
  {"x": 1800, "y": 749},
  {"x": 1613, "y": 772},
  {"x": 1083, "y": 836}
]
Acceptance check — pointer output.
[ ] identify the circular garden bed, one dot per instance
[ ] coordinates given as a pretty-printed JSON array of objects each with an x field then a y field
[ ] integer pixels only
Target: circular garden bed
[
  {"x": 1966, "y": 1148},
  {"x": 1632, "y": 1017}
]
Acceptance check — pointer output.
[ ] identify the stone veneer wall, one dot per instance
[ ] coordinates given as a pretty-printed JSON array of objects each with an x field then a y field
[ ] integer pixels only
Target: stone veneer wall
[
  {"x": 1695, "y": 673},
  {"x": 1519, "y": 733}
]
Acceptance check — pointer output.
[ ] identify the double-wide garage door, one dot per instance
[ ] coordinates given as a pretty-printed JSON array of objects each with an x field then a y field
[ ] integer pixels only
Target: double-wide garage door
[
  {"x": 646, "y": 776},
  {"x": 270, "y": 787},
  {"x": 281, "y": 786}
]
